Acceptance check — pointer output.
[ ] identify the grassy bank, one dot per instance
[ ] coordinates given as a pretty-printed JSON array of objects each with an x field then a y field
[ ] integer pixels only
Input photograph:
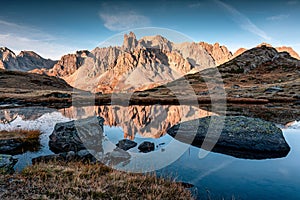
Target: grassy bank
[
  {"x": 76, "y": 180},
  {"x": 28, "y": 136},
  {"x": 18, "y": 141}
]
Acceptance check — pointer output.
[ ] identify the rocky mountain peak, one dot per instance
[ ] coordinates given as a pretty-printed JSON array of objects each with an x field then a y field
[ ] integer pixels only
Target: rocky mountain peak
[
  {"x": 68, "y": 64},
  {"x": 264, "y": 44},
  {"x": 5, "y": 49},
  {"x": 219, "y": 53},
  {"x": 6, "y": 53},
  {"x": 155, "y": 42},
  {"x": 130, "y": 42},
  {"x": 29, "y": 54},
  {"x": 25, "y": 61}
]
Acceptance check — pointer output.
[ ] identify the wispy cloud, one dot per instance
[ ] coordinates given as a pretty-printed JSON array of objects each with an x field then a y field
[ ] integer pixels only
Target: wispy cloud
[
  {"x": 278, "y": 17},
  {"x": 19, "y": 37},
  {"x": 195, "y": 5},
  {"x": 120, "y": 21},
  {"x": 243, "y": 21},
  {"x": 18, "y": 29}
]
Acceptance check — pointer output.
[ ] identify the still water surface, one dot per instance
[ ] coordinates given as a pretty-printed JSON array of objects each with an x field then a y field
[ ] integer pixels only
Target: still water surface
[{"x": 216, "y": 175}]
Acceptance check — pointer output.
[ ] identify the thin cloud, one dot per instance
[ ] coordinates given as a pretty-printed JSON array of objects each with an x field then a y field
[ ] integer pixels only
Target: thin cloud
[
  {"x": 7, "y": 27},
  {"x": 20, "y": 37},
  {"x": 278, "y": 17},
  {"x": 124, "y": 20},
  {"x": 243, "y": 21},
  {"x": 195, "y": 5}
]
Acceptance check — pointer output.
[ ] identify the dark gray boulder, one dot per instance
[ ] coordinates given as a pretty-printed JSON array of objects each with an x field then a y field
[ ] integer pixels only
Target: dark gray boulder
[
  {"x": 126, "y": 144},
  {"x": 77, "y": 135},
  {"x": 7, "y": 163},
  {"x": 146, "y": 147},
  {"x": 241, "y": 137}
]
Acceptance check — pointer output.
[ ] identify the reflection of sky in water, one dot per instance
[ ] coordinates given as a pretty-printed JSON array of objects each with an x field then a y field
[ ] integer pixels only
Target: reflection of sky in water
[
  {"x": 45, "y": 124},
  {"x": 222, "y": 175},
  {"x": 225, "y": 176}
]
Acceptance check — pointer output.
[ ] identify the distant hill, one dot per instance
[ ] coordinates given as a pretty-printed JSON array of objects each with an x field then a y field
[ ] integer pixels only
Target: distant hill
[
  {"x": 289, "y": 50},
  {"x": 30, "y": 81}
]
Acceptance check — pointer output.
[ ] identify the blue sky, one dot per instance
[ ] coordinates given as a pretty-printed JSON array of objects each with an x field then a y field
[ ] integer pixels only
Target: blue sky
[{"x": 53, "y": 28}]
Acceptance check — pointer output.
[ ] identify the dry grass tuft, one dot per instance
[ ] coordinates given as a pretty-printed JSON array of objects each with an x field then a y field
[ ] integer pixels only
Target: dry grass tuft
[
  {"x": 75, "y": 180},
  {"x": 27, "y": 136}
]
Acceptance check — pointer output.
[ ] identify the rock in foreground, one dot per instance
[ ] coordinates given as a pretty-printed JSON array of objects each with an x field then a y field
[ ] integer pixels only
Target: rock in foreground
[
  {"x": 241, "y": 137},
  {"x": 77, "y": 135}
]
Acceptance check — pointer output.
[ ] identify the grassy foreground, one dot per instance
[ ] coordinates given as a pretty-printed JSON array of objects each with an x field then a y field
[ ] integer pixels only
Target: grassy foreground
[{"x": 75, "y": 180}]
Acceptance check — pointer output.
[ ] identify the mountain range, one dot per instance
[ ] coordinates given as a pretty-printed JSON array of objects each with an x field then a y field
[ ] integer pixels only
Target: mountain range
[
  {"x": 25, "y": 61},
  {"x": 153, "y": 59}
]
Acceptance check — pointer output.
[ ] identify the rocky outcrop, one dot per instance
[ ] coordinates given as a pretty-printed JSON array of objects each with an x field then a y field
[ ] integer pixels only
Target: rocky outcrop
[
  {"x": 197, "y": 56},
  {"x": 149, "y": 65},
  {"x": 7, "y": 163},
  {"x": 77, "y": 135},
  {"x": 155, "y": 42},
  {"x": 220, "y": 54},
  {"x": 130, "y": 42},
  {"x": 68, "y": 64},
  {"x": 240, "y": 137},
  {"x": 25, "y": 61}
]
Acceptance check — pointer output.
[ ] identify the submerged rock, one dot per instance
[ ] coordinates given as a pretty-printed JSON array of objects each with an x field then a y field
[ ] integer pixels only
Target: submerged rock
[
  {"x": 146, "y": 147},
  {"x": 7, "y": 163},
  {"x": 116, "y": 157},
  {"x": 126, "y": 144},
  {"x": 77, "y": 135},
  {"x": 241, "y": 137},
  {"x": 83, "y": 156}
]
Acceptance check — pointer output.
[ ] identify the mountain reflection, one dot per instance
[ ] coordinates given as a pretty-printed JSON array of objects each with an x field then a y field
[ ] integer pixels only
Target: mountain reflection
[{"x": 148, "y": 121}]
